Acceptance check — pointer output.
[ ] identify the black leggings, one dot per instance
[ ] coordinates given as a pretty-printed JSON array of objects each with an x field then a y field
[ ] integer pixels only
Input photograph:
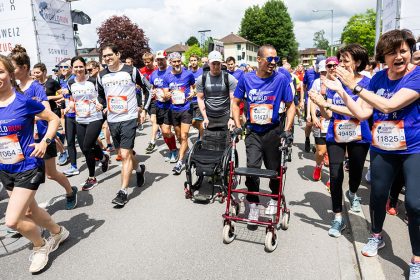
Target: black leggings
[
  {"x": 70, "y": 124},
  {"x": 87, "y": 134},
  {"x": 383, "y": 169},
  {"x": 357, "y": 155}
]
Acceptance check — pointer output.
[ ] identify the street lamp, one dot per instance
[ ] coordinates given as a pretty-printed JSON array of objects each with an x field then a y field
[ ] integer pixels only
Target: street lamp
[{"x": 332, "y": 25}]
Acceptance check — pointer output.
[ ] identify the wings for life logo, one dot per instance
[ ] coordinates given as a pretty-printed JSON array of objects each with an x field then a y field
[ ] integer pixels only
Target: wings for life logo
[
  {"x": 52, "y": 14},
  {"x": 260, "y": 96}
]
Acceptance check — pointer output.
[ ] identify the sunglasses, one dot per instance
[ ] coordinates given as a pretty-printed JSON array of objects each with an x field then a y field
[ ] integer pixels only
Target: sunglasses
[
  {"x": 89, "y": 69},
  {"x": 270, "y": 59},
  {"x": 64, "y": 67},
  {"x": 331, "y": 66}
]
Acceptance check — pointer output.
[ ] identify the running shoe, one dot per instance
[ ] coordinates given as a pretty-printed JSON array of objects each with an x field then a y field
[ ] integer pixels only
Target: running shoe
[
  {"x": 354, "y": 202},
  {"x": 374, "y": 244},
  {"x": 254, "y": 213},
  {"x": 39, "y": 257},
  {"x": 307, "y": 145},
  {"x": 391, "y": 208},
  {"x": 151, "y": 148},
  {"x": 159, "y": 134},
  {"x": 140, "y": 176},
  {"x": 178, "y": 168},
  {"x": 317, "y": 173},
  {"x": 63, "y": 158},
  {"x": 71, "y": 200},
  {"x": 174, "y": 156},
  {"x": 89, "y": 184},
  {"x": 140, "y": 127},
  {"x": 121, "y": 199},
  {"x": 414, "y": 271},
  {"x": 346, "y": 165},
  {"x": 71, "y": 171},
  {"x": 105, "y": 163},
  {"x": 56, "y": 239},
  {"x": 271, "y": 207},
  {"x": 337, "y": 226},
  {"x": 367, "y": 176}
]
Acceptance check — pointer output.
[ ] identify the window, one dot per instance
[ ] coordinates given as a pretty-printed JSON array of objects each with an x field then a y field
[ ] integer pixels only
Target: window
[
  {"x": 238, "y": 47},
  {"x": 239, "y": 58}
]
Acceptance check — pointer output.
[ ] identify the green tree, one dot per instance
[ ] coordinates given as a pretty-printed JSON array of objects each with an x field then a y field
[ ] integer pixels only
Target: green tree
[
  {"x": 319, "y": 40},
  {"x": 192, "y": 41},
  {"x": 361, "y": 29},
  {"x": 194, "y": 49},
  {"x": 271, "y": 24}
]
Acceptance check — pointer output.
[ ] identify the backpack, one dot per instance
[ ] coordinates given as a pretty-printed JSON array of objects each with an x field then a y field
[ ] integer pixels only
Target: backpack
[{"x": 206, "y": 69}]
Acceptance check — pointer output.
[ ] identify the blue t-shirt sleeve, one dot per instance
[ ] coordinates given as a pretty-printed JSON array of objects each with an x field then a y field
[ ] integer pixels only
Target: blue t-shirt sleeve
[
  {"x": 34, "y": 107},
  {"x": 40, "y": 93},
  {"x": 288, "y": 94},
  {"x": 413, "y": 82},
  {"x": 240, "y": 88}
]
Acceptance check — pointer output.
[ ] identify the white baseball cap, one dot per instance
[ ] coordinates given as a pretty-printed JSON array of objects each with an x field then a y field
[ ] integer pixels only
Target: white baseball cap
[
  {"x": 321, "y": 66},
  {"x": 215, "y": 56}
]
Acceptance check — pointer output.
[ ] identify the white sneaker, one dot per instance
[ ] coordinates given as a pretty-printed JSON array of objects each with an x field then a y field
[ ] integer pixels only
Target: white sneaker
[
  {"x": 271, "y": 207},
  {"x": 57, "y": 239},
  {"x": 39, "y": 257},
  {"x": 254, "y": 213}
]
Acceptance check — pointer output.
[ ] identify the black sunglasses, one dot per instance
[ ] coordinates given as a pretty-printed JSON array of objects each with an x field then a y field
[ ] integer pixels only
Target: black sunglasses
[
  {"x": 331, "y": 65},
  {"x": 89, "y": 70}
]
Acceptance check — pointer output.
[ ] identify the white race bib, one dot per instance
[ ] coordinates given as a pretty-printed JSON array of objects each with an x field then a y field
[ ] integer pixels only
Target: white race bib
[
  {"x": 83, "y": 108},
  {"x": 389, "y": 135},
  {"x": 178, "y": 97},
  {"x": 261, "y": 113},
  {"x": 324, "y": 126},
  {"x": 346, "y": 131},
  {"x": 10, "y": 149},
  {"x": 117, "y": 104}
]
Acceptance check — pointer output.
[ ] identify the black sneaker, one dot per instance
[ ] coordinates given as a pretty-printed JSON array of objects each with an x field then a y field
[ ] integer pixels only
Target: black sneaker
[
  {"x": 89, "y": 184},
  {"x": 105, "y": 163},
  {"x": 71, "y": 201},
  {"x": 151, "y": 148},
  {"x": 140, "y": 176},
  {"x": 307, "y": 146},
  {"x": 121, "y": 199}
]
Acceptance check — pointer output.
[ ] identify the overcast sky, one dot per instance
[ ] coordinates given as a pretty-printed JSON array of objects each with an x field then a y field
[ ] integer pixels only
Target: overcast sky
[{"x": 167, "y": 22}]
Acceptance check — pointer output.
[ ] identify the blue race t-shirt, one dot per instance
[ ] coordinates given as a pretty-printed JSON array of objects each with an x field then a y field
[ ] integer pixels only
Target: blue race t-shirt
[
  {"x": 180, "y": 87},
  {"x": 337, "y": 100},
  {"x": 196, "y": 74},
  {"x": 37, "y": 92},
  {"x": 286, "y": 73},
  {"x": 237, "y": 73},
  {"x": 402, "y": 127},
  {"x": 64, "y": 85},
  {"x": 17, "y": 133},
  {"x": 263, "y": 97},
  {"x": 156, "y": 79},
  {"x": 310, "y": 76}
]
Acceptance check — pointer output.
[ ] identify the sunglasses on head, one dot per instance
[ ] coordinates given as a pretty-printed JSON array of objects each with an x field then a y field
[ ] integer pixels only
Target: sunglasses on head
[
  {"x": 270, "y": 59},
  {"x": 331, "y": 65},
  {"x": 64, "y": 67}
]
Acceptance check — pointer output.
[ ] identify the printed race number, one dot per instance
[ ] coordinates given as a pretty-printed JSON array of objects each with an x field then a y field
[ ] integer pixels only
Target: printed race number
[
  {"x": 261, "y": 113},
  {"x": 83, "y": 108},
  {"x": 178, "y": 97},
  {"x": 389, "y": 135},
  {"x": 10, "y": 150},
  {"x": 346, "y": 131},
  {"x": 117, "y": 104}
]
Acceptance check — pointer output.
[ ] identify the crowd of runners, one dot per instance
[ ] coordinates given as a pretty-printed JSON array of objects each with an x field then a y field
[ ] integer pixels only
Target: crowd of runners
[{"x": 350, "y": 103}]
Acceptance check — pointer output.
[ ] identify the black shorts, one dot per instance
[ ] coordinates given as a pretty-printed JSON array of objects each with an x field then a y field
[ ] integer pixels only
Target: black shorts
[
  {"x": 196, "y": 112},
  {"x": 57, "y": 111},
  {"x": 29, "y": 179},
  {"x": 51, "y": 151},
  {"x": 123, "y": 133},
  {"x": 320, "y": 140},
  {"x": 162, "y": 116},
  {"x": 177, "y": 118},
  {"x": 152, "y": 109},
  {"x": 296, "y": 100}
]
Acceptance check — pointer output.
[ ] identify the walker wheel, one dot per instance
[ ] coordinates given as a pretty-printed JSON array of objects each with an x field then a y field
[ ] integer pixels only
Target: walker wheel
[
  {"x": 285, "y": 218},
  {"x": 270, "y": 241},
  {"x": 228, "y": 233}
]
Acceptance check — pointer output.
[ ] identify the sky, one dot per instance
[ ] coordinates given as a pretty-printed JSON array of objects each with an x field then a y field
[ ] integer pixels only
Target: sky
[{"x": 168, "y": 22}]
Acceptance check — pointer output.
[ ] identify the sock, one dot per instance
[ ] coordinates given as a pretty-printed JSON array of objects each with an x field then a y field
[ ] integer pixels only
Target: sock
[
  {"x": 351, "y": 194},
  {"x": 124, "y": 190},
  {"x": 179, "y": 161},
  {"x": 167, "y": 142},
  {"x": 377, "y": 235},
  {"x": 172, "y": 143},
  {"x": 153, "y": 142},
  {"x": 74, "y": 165},
  {"x": 138, "y": 169},
  {"x": 338, "y": 218}
]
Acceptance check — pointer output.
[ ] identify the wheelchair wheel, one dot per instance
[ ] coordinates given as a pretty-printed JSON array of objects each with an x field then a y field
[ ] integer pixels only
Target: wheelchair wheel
[
  {"x": 225, "y": 167},
  {"x": 193, "y": 179}
]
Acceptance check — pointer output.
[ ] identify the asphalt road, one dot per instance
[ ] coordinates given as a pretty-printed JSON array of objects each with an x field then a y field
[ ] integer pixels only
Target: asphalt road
[{"x": 161, "y": 235}]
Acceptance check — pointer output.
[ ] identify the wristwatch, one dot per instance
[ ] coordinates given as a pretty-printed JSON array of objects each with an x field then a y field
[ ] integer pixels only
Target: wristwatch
[
  {"x": 47, "y": 140},
  {"x": 328, "y": 107},
  {"x": 357, "y": 89}
]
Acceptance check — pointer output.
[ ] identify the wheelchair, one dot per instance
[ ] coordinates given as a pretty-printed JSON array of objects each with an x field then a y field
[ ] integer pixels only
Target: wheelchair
[{"x": 209, "y": 158}]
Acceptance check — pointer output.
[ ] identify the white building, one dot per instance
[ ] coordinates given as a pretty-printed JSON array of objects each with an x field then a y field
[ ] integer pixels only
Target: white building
[{"x": 241, "y": 49}]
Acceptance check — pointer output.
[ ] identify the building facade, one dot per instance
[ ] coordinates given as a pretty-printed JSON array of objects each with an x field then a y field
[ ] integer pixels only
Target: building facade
[
  {"x": 243, "y": 50},
  {"x": 307, "y": 57}
]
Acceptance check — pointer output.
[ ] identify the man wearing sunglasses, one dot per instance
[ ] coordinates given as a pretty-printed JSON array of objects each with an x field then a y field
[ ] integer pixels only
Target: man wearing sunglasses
[{"x": 265, "y": 91}]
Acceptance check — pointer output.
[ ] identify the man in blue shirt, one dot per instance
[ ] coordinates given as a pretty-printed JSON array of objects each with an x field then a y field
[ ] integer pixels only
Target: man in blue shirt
[{"x": 269, "y": 100}]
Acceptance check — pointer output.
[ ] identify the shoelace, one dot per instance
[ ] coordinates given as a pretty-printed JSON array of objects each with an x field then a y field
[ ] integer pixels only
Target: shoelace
[
  {"x": 336, "y": 225},
  {"x": 414, "y": 269},
  {"x": 39, "y": 251},
  {"x": 373, "y": 243}
]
